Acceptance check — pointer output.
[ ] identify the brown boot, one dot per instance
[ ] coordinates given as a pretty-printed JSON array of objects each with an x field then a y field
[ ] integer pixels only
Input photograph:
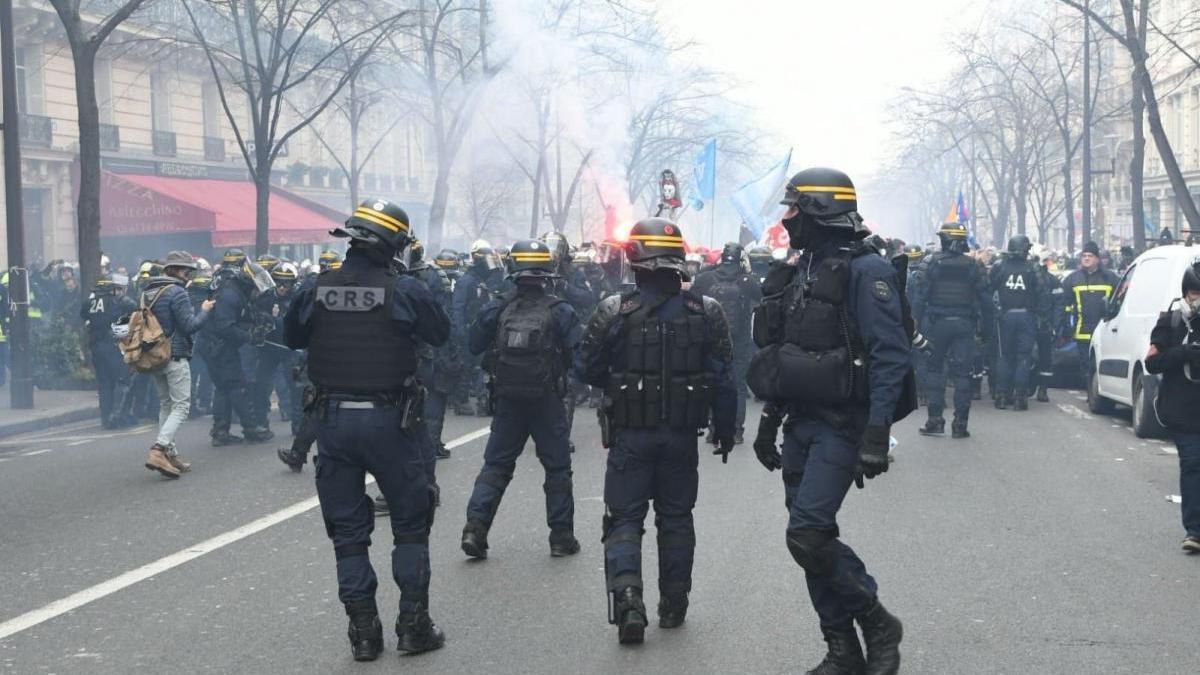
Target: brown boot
[
  {"x": 177, "y": 461},
  {"x": 158, "y": 461}
]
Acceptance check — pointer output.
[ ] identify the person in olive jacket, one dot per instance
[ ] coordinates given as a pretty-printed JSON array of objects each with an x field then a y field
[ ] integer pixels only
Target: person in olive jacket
[{"x": 1175, "y": 355}]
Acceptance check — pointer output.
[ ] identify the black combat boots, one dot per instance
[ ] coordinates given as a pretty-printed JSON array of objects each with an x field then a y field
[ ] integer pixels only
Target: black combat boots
[
  {"x": 845, "y": 655},
  {"x": 959, "y": 428},
  {"x": 630, "y": 615},
  {"x": 882, "y": 633},
  {"x": 562, "y": 543},
  {"x": 672, "y": 610},
  {"x": 1003, "y": 402},
  {"x": 366, "y": 633},
  {"x": 934, "y": 426},
  {"x": 474, "y": 539},
  {"x": 292, "y": 458},
  {"x": 417, "y": 632},
  {"x": 1021, "y": 403},
  {"x": 1043, "y": 396}
]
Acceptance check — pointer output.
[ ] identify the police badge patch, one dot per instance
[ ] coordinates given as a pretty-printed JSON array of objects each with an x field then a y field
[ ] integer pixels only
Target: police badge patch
[
  {"x": 350, "y": 298},
  {"x": 881, "y": 291}
]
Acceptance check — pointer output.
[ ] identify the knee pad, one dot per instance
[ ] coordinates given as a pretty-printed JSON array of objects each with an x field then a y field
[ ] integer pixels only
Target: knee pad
[
  {"x": 563, "y": 485},
  {"x": 498, "y": 481},
  {"x": 814, "y": 550}
]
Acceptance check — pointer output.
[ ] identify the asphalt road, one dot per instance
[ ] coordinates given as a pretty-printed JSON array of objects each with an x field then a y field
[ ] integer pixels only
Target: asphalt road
[{"x": 1044, "y": 544}]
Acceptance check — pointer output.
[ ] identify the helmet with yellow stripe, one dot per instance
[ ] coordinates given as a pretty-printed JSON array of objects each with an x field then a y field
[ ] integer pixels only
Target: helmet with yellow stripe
[
  {"x": 657, "y": 243},
  {"x": 375, "y": 223},
  {"x": 530, "y": 258},
  {"x": 954, "y": 237},
  {"x": 821, "y": 193}
]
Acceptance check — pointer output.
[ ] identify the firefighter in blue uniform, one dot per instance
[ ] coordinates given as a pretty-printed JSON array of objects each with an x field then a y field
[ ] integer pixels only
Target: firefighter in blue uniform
[
  {"x": 955, "y": 304},
  {"x": 1017, "y": 285},
  {"x": 733, "y": 285},
  {"x": 360, "y": 325},
  {"x": 107, "y": 303},
  {"x": 664, "y": 360},
  {"x": 835, "y": 361},
  {"x": 529, "y": 335}
]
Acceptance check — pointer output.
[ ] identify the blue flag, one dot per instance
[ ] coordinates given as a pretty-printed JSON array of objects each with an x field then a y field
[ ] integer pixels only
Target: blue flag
[
  {"x": 757, "y": 202},
  {"x": 704, "y": 175}
]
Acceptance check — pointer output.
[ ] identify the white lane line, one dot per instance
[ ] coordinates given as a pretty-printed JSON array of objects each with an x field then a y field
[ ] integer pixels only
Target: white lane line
[
  {"x": 75, "y": 443},
  {"x": 121, "y": 581},
  {"x": 31, "y": 453}
]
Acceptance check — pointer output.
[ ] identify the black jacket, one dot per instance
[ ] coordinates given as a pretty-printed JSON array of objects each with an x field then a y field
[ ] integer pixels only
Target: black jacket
[{"x": 1175, "y": 343}]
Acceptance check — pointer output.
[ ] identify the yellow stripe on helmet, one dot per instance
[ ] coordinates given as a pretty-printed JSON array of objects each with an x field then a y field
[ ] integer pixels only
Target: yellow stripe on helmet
[
  {"x": 824, "y": 188},
  {"x": 656, "y": 238},
  {"x": 845, "y": 198},
  {"x": 380, "y": 218},
  {"x": 531, "y": 257}
]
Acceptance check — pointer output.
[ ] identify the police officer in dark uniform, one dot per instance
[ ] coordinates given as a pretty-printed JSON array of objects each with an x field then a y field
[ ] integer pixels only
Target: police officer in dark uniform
[
  {"x": 955, "y": 304},
  {"x": 360, "y": 325},
  {"x": 1047, "y": 328},
  {"x": 107, "y": 303},
  {"x": 664, "y": 359},
  {"x": 232, "y": 326},
  {"x": 530, "y": 336},
  {"x": 199, "y": 289},
  {"x": 836, "y": 361},
  {"x": 471, "y": 292},
  {"x": 733, "y": 285},
  {"x": 271, "y": 356},
  {"x": 1017, "y": 285}
]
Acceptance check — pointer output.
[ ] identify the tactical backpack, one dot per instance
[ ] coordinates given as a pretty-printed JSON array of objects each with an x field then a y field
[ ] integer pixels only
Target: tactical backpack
[
  {"x": 528, "y": 353},
  {"x": 146, "y": 348}
]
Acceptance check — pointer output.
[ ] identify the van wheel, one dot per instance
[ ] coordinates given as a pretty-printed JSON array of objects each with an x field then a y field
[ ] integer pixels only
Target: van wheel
[
  {"x": 1097, "y": 404},
  {"x": 1145, "y": 422}
]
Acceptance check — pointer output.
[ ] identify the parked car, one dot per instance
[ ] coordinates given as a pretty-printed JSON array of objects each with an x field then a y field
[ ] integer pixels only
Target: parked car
[{"x": 1122, "y": 338}]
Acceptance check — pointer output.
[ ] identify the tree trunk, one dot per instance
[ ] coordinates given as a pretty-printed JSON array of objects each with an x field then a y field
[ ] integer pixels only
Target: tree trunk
[
  {"x": 355, "y": 173},
  {"x": 537, "y": 196},
  {"x": 1137, "y": 165},
  {"x": 437, "y": 204},
  {"x": 262, "y": 207},
  {"x": 1182, "y": 196},
  {"x": 88, "y": 207},
  {"x": 1022, "y": 203},
  {"x": 1069, "y": 203}
]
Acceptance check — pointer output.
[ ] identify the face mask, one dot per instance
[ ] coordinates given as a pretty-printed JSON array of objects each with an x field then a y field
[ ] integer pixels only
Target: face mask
[{"x": 800, "y": 231}]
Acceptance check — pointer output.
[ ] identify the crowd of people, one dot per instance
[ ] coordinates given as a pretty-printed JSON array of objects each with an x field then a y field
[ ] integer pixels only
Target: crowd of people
[{"x": 841, "y": 335}]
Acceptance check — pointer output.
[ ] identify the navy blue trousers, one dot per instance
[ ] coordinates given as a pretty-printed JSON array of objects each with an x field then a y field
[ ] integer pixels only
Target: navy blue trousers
[
  {"x": 545, "y": 420},
  {"x": 818, "y": 469},
  {"x": 350, "y": 444},
  {"x": 952, "y": 360},
  {"x": 647, "y": 465},
  {"x": 1018, "y": 332}
]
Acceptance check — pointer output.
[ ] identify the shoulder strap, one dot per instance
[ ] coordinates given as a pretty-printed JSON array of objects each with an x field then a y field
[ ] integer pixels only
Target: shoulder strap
[{"x": 142, "y": 301}]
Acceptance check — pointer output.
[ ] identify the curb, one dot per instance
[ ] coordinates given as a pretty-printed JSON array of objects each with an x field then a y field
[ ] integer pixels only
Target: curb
[{"x": 49, "y": 421}]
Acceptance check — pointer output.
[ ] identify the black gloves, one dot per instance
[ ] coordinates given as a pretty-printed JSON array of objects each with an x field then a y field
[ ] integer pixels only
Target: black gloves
[
  {"x": 724, "y": 447},
  {"x": 764, "y": 442},
  {"x": 258, "y": 334},
  {"x": 873, "y": 454}
]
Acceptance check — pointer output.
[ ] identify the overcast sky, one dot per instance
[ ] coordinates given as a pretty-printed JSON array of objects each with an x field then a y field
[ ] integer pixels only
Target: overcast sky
[{"x": 820, "y": 73}]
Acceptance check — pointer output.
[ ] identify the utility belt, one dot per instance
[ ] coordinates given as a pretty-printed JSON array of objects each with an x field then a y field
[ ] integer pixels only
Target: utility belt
[
  {"x": 637, "y": 401},
  {"x": 408, "y": 401}
]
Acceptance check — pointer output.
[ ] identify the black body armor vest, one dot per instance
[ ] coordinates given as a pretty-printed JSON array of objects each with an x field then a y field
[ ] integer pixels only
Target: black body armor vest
[
  {"x": 356, "y": 347},
  {"x": 952, "y": 282},
  {"x": 665, "y": 382},
  {"x": 1017, "y": 283}
]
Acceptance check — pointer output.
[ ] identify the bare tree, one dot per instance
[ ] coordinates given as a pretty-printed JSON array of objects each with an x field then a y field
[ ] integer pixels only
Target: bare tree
[
  {"x": 1135, "y": 16},
  {"x": 277, "y": 52},
  {"x": 86, "y": 37}
]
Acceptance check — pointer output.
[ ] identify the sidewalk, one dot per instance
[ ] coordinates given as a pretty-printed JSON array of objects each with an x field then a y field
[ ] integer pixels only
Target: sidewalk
[{"x": 50, "y": 409}]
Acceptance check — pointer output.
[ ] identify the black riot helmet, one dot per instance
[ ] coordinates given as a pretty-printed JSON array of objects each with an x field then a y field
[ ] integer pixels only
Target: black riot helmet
[
  {"x": 1191, "y": 278},
  {"x": 559, "y": 247},
  {"x": 821, "y": 193},
  {"x": 328, "y": 258},
  {"x": 954, "y": 238},
  {"x": 531, "y": 258},
  {"x": 447, "y": 260},
  {"x": 233, "y": 257},
  {"x": 379, "y": 226},
  {"x": 416, "y": 254},
  {"x": 914, "y": 252},
  {"x": 1019, "y": 246},
  {"x": 732, "y": 254},
  {"x": 656, "y": 243}
]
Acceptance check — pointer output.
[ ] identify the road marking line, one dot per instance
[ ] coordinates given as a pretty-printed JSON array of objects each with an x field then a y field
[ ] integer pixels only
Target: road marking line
[
  {"x": 31, "y": 453},
  {"x": 121, "y": 581},
  {"x": 75, "y": 443}
]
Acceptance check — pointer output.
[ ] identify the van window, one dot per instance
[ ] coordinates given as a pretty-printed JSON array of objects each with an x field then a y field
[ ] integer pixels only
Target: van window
[
  {"x": 1118, "y": 297},
  {"x": 1145, "y": 295}
]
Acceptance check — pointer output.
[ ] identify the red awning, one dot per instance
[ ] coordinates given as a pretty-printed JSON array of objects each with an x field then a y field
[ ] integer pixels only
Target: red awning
[{"x": 133, "y": 204}]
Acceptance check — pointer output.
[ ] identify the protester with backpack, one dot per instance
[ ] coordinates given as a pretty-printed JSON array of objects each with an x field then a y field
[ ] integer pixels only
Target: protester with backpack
[
  {"x": 165, "y": 316},
  {"x": 530, "y": 336}
]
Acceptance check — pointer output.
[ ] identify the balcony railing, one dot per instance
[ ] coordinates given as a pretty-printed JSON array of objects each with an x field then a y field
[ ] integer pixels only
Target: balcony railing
[
  {"x": 164, "y": 143},
  {"x": 110, "y": 137},
  {"x": 36, "y": 130},
  {"x": 214, "y": 149}
]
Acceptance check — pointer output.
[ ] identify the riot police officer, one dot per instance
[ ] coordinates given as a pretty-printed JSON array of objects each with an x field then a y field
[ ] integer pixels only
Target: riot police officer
[
  {"x": 1047, "y": 328},
  {"x": 107, "y": 303},
  {"x": 1018, "y": 289},
  {"x": 955, "y": 304},
  {"x": 199, "y": 289},
  {"x": 232, "y": 326},
  {"x": 664, "y": 359},
  {"x": 360, "y": 325},
  {"x": 471, "y": 292},
  {"x": 270, "y": 356},
  {"x": 530, "y": 336},
  {"x": 835, "y": 361},
  {"x": 438, "y": 365},
  {"x": 732, "y": 284}
]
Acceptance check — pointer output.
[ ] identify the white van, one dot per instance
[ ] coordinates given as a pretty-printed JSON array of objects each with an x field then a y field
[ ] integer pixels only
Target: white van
[{"x": 1122, "y": 338}]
